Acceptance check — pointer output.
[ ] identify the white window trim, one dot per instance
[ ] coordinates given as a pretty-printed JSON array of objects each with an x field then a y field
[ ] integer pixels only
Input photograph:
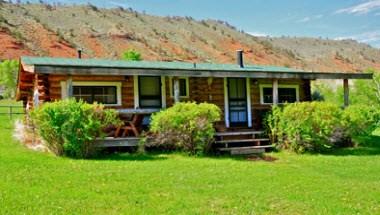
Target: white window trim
[
  {"x": 95, "y": 83},
  {"x": 290, "y": 86},
  {"x": 187, "y": 87}
]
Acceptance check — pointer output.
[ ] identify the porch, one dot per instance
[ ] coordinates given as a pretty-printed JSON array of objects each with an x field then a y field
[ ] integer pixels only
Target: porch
[{"x": 235, "y": 140}]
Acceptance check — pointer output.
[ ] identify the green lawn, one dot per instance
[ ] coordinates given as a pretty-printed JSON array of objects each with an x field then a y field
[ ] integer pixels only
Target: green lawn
[{"x": 346, "y": 182}]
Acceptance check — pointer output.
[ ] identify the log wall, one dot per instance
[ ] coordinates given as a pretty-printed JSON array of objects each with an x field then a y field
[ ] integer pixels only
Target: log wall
[{"x": 200, "y": 90}]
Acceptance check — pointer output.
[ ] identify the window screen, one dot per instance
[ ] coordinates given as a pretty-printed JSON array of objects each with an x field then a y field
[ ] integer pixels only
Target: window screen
[
  {"x": 150, "y": 91},
  {"x": 285, "y": 95}
]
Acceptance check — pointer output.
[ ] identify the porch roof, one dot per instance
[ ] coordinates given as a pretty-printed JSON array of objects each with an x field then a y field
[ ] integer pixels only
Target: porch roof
[{"x": 48, "y": 65}]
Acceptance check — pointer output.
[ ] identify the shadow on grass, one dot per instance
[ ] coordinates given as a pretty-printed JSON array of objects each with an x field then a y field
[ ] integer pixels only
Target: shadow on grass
[
  {"x": 367, "y": 146},
  {"x": 131, "y": 157},
  {"x": 157, "y": 155}
]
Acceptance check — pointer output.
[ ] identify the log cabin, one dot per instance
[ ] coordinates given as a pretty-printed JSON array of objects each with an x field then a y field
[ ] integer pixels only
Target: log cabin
[{"x": 244, "y": 93}]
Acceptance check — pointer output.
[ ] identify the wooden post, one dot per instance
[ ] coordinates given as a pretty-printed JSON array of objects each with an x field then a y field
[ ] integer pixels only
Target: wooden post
[
  {"x": 10, "y": 112},
  {"x": 346, "y": 92},
  {"x": 176, "y": 90},
  {"x": 275, "y": 91},
  {"x": 69, "y": 87}
]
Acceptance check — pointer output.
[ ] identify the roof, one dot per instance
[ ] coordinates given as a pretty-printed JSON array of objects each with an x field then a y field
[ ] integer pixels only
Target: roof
[
  {"x": 51, "y": 65},
  {"x": 106, "y": 63}
]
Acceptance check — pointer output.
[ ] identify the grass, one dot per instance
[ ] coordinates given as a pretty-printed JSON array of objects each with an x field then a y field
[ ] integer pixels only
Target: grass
[{"x": 345, "y": 182}]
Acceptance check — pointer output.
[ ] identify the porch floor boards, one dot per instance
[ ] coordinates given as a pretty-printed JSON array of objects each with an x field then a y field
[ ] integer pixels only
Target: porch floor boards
[{"x": 117, "y": 142}]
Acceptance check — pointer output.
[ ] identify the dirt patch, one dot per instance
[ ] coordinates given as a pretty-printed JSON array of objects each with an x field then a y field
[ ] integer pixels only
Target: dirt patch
[
  {"x": 27, "y": 136},
  {"x": 10, "y": 47},
  {"x": 261, "y": 158},
  {"x": 48, "y": 42}
]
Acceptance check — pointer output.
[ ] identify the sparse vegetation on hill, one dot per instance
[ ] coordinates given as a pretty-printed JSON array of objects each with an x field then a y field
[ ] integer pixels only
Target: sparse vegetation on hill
[{"x": 107, "y": 33}]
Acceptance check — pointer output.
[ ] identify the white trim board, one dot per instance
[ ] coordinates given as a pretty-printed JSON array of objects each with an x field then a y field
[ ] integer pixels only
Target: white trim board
[
  {"x": 294, "y": 86},
  {"x": 136, "y": 91},
  {"x": 187, "y": 87},
  {"x": 163, "y": 91},
  {"x": 226, "y": 106},
  {"x": 249, "y": 107}
]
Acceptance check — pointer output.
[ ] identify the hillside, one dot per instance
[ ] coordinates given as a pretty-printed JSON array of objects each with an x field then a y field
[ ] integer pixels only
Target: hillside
[{"x": 46, "y": 30}]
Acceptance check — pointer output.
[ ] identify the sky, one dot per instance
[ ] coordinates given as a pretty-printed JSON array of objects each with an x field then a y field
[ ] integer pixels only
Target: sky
[{"x": 334, "y": 19}]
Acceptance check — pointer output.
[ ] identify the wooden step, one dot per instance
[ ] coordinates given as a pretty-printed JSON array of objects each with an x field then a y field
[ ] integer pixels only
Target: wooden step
[
  {"x": 243, "y": 140},
  {"x": 117, "y": 142},
  {"x": 237, "y": 133},
  {"x": 246, "y": 147},
  {"x": 246, "y": 150}
]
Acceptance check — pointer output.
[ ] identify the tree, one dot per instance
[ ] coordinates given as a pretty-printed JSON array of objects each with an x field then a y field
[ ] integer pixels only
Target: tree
[
  {"x": 131, "y": 55},
  {"x": 8, "y": 77},
  {"x": 361, "y": 91},
  {"x": 367, "y": 91}
]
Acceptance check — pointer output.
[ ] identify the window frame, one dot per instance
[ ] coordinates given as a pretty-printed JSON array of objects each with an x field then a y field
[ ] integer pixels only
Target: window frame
[
  {"x": 187, "y": 87},
  {"x": 287, "y": 86},
  {"x": 95, "y": 84}
]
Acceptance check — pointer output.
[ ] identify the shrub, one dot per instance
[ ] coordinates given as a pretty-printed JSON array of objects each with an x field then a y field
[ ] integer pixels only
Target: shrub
[
  {"x": 8, "y": 77},
  {"x": 309, "y": 126},
  {"x": 361, "y": 119},
  {"x": 70, "y": 127},
  {"x": 317, "y": 126},
  {"x": 186, "y": 126},
  {"x": 131, "y": 55}
]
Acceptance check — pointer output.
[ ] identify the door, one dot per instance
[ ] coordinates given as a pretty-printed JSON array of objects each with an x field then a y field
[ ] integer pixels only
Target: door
[
  {"x": 237, "y": 101},
  {"x": 150, "y": 92}
]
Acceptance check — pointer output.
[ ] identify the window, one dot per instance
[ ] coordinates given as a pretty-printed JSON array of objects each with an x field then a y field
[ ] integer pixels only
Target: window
[
  {"x": 183, "y": 87},
  {"x": 99, "y": 94},
  {"x": 107, "y": 93},
  {"x": 286, "y": 94},
  {"x": 150, "y": 91}
]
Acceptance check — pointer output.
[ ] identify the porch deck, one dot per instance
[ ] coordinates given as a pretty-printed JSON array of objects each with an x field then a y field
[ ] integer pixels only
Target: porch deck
[
  {"x": 117, "y": 142},
  {"x": 235, "y": 142}
]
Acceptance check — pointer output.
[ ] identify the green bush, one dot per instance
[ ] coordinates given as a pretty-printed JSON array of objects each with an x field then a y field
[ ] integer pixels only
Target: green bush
[
  {"x": 361, "y": 119},
  {"x": 319, "y": 126},
  {"x": 309, "y": 126},
  {"x": 131, "y": 55},
  {"x": 70, "y": 127},
  {"x": 185, "y": 126},
  {"x": 8, "y": 77}
]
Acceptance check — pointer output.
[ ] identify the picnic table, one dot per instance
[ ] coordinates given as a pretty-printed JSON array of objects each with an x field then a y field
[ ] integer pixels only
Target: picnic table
[{"x": 132, "y": 124}]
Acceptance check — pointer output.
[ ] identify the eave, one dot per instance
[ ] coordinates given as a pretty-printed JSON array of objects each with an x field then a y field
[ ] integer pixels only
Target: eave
[{"x": 70, "y": 70}]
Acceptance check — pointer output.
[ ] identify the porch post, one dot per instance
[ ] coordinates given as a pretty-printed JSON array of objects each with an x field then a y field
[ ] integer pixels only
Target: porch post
[
  {"x": 176, "y": 89},
  {"x": 275, "y": 91},
  {"x": 69, "y": 86},
  {"x": 249, "y": 104},
  {"x": 346, "y": 92}
]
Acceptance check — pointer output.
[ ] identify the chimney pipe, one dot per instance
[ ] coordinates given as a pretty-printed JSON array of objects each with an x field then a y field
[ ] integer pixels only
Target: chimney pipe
[
  {"x": 239, "y": 58},
  {"x": 80, "y": 53}
]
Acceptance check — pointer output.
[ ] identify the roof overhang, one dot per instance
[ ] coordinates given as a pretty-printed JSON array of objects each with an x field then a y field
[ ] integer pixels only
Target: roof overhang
[{"x": 112, "y": 71}]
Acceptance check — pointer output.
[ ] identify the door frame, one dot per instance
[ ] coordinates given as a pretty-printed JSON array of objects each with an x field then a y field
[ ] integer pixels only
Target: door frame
[
  {"x": 136, "y": 89},
  {"x": 226, "y": 103}
]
